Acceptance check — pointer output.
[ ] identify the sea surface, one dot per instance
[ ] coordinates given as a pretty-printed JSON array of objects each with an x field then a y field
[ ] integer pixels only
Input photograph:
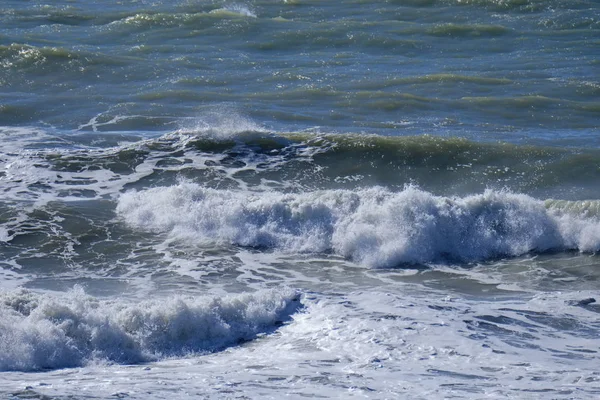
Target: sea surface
[{"x": 300, "y": 199}]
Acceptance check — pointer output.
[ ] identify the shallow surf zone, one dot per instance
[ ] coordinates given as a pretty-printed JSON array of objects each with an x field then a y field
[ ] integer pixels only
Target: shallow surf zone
[
  {"x": 392, "y": 342},
  {"x": 374, "y": 227},
  {"x": 42, "y": 331}
]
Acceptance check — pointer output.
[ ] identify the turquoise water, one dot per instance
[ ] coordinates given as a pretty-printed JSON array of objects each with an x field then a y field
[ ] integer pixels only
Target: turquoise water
[{"x": 371, "y": 199}]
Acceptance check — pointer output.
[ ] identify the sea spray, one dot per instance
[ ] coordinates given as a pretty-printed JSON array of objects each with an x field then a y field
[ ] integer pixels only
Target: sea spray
[
  {"x": 48, "y": 331},
  {"x": 375, "y": 227}
]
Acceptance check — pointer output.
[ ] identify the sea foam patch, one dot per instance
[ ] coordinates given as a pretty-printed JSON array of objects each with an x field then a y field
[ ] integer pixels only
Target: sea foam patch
[
  {"x": 374, "y": 227},
  {"x": 47, "y": 331}
]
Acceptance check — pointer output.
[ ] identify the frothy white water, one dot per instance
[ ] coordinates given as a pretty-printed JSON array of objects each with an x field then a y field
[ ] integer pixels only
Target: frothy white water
[
  {"x": 28, "y": 171},
  {"x": 219, "y": 124},
  {"x": 40, "y": 167},
  {"x": 48, "y": 331},
  {"x": 374, "y": 227},
  {"x": 374, "y": 344}
]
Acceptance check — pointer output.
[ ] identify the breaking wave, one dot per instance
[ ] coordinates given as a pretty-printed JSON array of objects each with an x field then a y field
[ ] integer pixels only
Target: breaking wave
[
  {"x": 374, "y": 227},
  {"x": 44, "y": 331}
]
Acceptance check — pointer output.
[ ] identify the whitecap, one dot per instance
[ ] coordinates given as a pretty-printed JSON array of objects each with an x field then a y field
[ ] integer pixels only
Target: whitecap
[
  {"x": 48, "y": 331},
  {"x": 374, "y": 227}
]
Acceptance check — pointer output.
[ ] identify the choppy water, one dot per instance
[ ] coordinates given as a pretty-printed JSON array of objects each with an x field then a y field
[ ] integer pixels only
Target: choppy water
[{"x": 390, "y": 199}]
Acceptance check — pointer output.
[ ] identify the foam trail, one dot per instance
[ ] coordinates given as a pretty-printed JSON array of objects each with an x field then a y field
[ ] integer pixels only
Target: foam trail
[
  {"x": 374, "y": 227},
  {"x": 43, "y": 331}
]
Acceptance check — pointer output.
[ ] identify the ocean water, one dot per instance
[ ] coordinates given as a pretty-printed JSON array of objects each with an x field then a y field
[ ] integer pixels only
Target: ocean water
[{"x": 296, "y": 198}]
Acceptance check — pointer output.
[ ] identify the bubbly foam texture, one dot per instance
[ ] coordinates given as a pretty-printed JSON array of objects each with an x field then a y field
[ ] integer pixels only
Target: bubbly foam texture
[
  {"x": 376, "y": 344},
  {"x": 385, "y": 338},
  {"x": 47, "y": 331},
  {"x": 374, "y": 227},
  {"x": 219, "y": 124},
  {"x": 41, "y": 167}
]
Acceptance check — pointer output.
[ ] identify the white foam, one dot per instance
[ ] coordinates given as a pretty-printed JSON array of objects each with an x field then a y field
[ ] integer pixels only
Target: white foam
[
  {"x": 47, "y": 331},
  {"x": 29, "y": 173},
  {"x": 219, "y": 124},
  {"x": 374, "y": 344},
  {"x": 374, "y": 227}
]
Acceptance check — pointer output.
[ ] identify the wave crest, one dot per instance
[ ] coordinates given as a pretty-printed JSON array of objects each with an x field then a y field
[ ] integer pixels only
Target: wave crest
[
  {"x": 59, "y": 331},
  {"x": 374, "y": 227}
]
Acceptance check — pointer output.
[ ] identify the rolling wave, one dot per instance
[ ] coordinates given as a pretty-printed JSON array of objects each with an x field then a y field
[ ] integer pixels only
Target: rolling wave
[
  {"x": 49, "y": 331},
  {"x": 374, "y": 227}
]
